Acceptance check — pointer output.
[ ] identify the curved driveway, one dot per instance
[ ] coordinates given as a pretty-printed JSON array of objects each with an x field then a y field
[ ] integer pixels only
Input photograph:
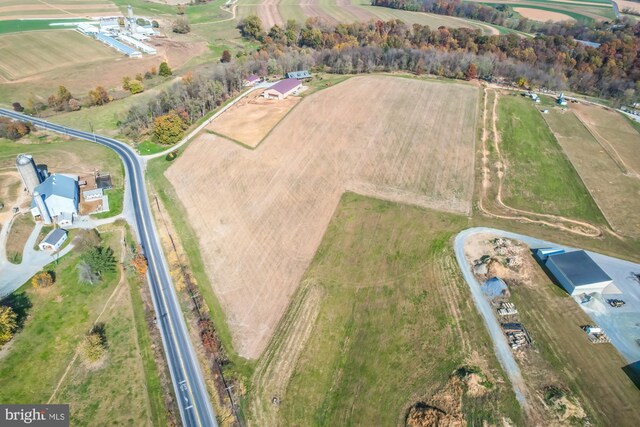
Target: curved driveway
[{"x": 188, "y": 382}]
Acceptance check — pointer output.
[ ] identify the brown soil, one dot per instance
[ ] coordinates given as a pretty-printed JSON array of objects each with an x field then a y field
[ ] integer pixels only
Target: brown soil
[
  {"x": 603, "y": 147},
  {"x": 265, "y": 211},
  {"x": 252, "y": 118},
  {"x": 269, "y": 13},
  {"x": 542, "y": 15}
]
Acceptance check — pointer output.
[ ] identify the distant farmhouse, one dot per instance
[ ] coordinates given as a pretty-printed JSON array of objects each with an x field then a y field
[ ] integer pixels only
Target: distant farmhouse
[
  {"x": 55, "y": 197},
  {"x": 251, "y": 80},
  {"x": 282, "y": 89},
  {"x": 575, "y": 271},
  {"x": 300, "y": 75}
]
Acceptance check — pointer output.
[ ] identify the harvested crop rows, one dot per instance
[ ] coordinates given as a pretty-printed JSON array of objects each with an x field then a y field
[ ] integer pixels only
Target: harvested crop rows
[
  {"x": 18, "y": 9},
  {"x": 273, "y": 12},
  {"x": 607, "y": 165},
  {"x": 260, "y": 215},
  {"x": 28, "y": 54}
]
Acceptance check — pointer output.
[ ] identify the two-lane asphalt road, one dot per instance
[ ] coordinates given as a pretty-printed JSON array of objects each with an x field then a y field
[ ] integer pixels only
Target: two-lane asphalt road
[{"x": 188, "y": 382}]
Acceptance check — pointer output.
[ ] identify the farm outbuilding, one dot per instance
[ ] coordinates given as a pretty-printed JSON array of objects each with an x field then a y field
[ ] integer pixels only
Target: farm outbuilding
[
  {"x": 577, "y": 272},
  {"x": 54, "y": 240},
  {"x": 251, "y": 80},
  {"x": 300, "y": 75},
  {"x": 282, "y": 89}
]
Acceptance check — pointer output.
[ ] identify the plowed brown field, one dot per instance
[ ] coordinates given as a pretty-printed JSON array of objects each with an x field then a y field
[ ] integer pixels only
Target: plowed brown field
[{"x": 260, "y": 215}]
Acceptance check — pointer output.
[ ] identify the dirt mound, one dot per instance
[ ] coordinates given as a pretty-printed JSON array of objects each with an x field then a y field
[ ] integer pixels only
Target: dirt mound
[
  {"x": 422, "y": 415},
  {"x": 445, "y": 407}
]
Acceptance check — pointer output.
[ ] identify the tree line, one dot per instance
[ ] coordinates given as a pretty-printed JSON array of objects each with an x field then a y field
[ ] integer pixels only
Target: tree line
[{"x": 553, "y": 58}]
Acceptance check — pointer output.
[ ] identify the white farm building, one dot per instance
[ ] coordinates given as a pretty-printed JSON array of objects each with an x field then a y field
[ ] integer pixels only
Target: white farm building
[
  {"x": 54, "y": 240},
  {"x": 578, "y": 273},
  {"x": 56, "y": 199}
]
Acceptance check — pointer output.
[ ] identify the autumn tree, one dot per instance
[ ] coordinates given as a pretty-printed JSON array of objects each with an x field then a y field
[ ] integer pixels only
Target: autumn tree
[
  {"x": 125, "y": 82},
  {"x": 139, "y": 77},
  {"x": 74, "y": 105},
  {"x": 94, "y": 345},
  {"x": 472, "y": 72},
  {"x": 139, "y": 262},
  {"x": 8, "y": 324},
  {"x": 226, "y": 56},
  {"x": 42, "y": 280},
  {"x": 168, "y": 128},
  {"x": 251, "y": 27},
  {"x": 59, "y": 101},
  {"x": 99, "y": 96},
  {"x": 181, "y": 25},
  {"x": 164, "y": 70},
  {"x": 136, "y": 86},
  {"x": 522, "y": 81}
]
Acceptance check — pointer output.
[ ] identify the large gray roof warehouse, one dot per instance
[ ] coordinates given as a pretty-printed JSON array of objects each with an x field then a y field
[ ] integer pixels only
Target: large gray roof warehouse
[{"x": 577, "y": 272}]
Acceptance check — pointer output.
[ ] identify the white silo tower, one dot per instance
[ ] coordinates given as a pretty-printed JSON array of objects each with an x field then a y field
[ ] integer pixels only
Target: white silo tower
[
  {"x": 28, "y": 171},
  {"x": 42, "y": 207}
]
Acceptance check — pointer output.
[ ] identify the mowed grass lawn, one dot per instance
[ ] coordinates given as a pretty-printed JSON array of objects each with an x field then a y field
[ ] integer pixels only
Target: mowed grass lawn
[
  {"x": 30, "y": 53},
  {"x": 58, "y": 318},
  {"x": 395, "y": 320},
  {"x": 539, "y": 176}
]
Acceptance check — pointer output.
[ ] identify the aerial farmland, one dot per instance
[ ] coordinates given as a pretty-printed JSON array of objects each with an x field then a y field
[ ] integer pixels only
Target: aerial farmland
[{"x": 330, "y": 212}]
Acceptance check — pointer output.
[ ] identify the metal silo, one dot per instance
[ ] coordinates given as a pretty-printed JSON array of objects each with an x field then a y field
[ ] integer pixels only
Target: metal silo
[
  {"x": 28, "y": 171},
  {"x": 42, "y": 207}
]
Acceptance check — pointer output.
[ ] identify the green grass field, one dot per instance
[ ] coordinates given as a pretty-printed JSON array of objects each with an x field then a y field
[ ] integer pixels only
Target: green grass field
[
  {"x": 19, "y": 25},
  {"x": 539, "y": 176},
  {"x": 48, "y": 50},
  {"x": 395, "y": 320},
  {"x": 62, "y": 155}
]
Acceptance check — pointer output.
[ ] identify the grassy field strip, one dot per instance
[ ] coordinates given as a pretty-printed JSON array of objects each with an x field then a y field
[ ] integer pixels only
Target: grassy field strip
[
  {"x": 278, "y": 362},
  {"x": 581, "y": 13},
  {"x": 613, "y": 191},
  {"x": 494, "y": 167},
  {"x": 545, "y": 182},
  {"x": 622, "y": 142},
  {"x": 106, "y": 304},
  {"x": 394, "y": 323},
  {"x": 49, "y": 49},
  {"x": 21, "y": 228}
]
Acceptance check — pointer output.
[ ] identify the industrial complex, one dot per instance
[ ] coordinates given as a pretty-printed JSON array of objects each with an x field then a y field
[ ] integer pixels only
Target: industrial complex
[{"x": 127, "y": 39}]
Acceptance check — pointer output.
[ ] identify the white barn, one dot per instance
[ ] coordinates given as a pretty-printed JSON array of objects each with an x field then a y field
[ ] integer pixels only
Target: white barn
[
  {"x": 578, "y": 273},
  {"x": 56, "y": 199}
]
